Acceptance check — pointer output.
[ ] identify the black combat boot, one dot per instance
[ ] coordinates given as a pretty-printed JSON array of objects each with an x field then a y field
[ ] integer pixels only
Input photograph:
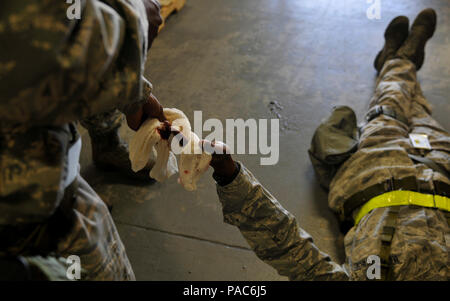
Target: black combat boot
[
  {"x": 421, "y": 31},
  {"x": 395, "y": 35},
  {"x": 110, "y": 153}
]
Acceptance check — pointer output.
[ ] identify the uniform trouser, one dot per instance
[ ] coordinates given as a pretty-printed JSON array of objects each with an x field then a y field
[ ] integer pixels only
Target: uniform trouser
[
  {"x": 420, "y": 244},
  {"x": 98, "y": 244},
  {"x": 94, "y": 238},
  {"x": 104, "y": 122}
]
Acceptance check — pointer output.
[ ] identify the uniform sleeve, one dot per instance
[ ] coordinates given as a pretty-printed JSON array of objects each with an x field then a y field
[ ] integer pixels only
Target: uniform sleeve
[
  {"x": 54, "y": 69},
  {"x": 273, "y": 233}
]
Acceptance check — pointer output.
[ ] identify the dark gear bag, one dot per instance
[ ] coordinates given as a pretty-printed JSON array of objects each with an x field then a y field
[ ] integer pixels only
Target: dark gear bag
[{"x": 334, "y": 141}]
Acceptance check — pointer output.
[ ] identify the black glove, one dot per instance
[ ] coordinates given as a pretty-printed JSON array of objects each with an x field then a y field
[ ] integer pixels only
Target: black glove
[{"x": 225, "y": 169}]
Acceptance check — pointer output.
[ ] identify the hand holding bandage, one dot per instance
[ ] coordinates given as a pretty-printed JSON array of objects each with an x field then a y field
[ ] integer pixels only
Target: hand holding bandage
[{"x": 156, "y": 137}]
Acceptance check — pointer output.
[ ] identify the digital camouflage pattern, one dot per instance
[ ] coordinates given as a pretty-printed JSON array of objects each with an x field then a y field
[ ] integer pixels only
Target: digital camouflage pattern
[
  {"x": 106, "y": 122},
  {"x": 54, "y": 71},
  {"x": 50, "y": 267},
  {"x": 109, "y": 150},
  {"x": 59, "y": 66},
  {"x": 272, "y": 232},
  {"x": 384, "y": 143},
  {"x": 420, "y": 246},
  {"x": 103, "y": 123},
  {"x": 94, "y": 238}
]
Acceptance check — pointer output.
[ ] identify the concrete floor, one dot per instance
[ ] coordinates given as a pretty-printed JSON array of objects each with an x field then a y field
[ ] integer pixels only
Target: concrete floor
[{"x": 230, "y": 59}]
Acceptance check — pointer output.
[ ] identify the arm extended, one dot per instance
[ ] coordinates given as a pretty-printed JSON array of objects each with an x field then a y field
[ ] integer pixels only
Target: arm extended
[{"x": 270, "y": 230}]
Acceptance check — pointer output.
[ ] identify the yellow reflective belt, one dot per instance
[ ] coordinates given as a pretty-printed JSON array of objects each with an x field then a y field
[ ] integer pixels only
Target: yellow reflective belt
[{"x": 402, "y": 198}]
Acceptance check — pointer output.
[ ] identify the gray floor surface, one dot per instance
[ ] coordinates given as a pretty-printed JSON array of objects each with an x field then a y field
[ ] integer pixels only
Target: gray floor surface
[{"x": 231, "y": 59}]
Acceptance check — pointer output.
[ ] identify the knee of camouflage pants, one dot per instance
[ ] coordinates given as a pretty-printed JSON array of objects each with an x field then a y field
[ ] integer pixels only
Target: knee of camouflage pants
[
  {"x": 94, "y": 238},
  {"x": 396, "y": 86}
]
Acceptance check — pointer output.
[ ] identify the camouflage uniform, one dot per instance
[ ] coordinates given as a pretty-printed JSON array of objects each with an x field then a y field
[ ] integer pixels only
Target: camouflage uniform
[
  {"x": 103, "y": 123},
  {"x": 54, "y": 71},
  {"x": 420, "y": 244}
]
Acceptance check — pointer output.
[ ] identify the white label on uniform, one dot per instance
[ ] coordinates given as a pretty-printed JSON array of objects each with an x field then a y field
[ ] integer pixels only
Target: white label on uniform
[{"x": 420, "y": 141}]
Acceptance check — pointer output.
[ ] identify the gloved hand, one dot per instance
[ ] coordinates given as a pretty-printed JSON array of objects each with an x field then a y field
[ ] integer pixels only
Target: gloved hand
[
  {"x": 151, "y": 109},
  {"x": 225, "y": 168}
]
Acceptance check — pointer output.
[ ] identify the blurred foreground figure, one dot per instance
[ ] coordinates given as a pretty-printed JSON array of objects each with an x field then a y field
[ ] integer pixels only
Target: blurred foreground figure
[
  {"x": 109, "y": 151},
  {"x": 395, "y": 194},
  {"x": 53, "y": 72}
]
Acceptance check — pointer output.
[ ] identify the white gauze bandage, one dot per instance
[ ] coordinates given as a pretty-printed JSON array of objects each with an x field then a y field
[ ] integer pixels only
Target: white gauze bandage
[{"x": 147, "y": 143}]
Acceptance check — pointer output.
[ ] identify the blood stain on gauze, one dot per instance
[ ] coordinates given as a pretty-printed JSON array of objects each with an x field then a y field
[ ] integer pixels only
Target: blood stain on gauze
[
  {"x": 147, "y": 142},
  {"x": 193, "y": 163}
]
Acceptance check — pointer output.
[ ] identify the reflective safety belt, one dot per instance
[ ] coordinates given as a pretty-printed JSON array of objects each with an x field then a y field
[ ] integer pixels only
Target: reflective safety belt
[
  {"x": 393, "y": 199},
  {"x": 403, "y": 198}
]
